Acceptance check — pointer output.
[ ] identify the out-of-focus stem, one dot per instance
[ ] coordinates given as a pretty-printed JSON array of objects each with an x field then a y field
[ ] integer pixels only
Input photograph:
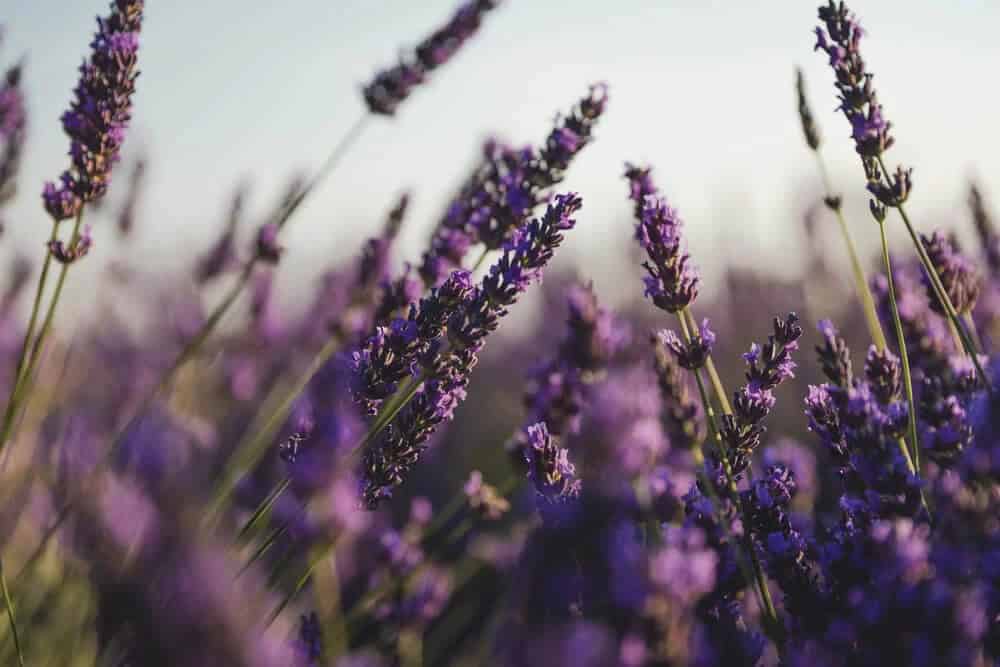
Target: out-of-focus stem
[
  {"x": 29, "y": 352},
  {"x": 11, "y": 618},
  {"x": 939, "y": 290},
  {"x": 860, "y": 281}
]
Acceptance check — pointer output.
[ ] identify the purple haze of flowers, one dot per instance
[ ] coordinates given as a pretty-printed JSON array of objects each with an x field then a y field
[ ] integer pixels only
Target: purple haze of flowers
[
  {"x": 100, "y": 114},
  {"x": 470, "y": 314},
  {"x": 392, "y": 86}
]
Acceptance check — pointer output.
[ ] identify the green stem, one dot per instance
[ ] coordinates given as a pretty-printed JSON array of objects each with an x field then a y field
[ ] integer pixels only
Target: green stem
[
  {"x": 939, "y": 290},
  {"x": 756, "y": 572},
  {"x": 24, "y": 360},
  {"x": 713, "y": 374},
  {"x": 9, "y": 604},
  {"x": 903, "y": 355},
  {"x": 35, "y": 310},
  {"x": 259, "y": 436},
  {"x": 860, "y": 281}
]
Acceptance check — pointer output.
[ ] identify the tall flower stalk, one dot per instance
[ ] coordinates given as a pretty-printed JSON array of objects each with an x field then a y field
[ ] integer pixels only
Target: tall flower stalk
[
  {"x": 834, "y": 202},
  {"x": 841, "y": 40},
  {"x": 672, "y": 285},
  {"x": 96, "y": 124}
]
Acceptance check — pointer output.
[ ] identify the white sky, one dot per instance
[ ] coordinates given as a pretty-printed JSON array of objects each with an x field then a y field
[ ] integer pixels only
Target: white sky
[{"x": 702, "y": 90}]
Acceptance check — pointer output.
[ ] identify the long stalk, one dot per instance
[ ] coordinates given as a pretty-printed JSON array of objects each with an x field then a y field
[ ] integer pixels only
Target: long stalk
[
  {"x": 713, "y": 374},
  {"x": 756, "y": 572},
  {"x": 9, "y": 604},
  {"x": 903, "y": 355},
  {"x": 23, "y": 365},
  {"x": 939, "y": 291},
  {"x": 860, "y": 281}
]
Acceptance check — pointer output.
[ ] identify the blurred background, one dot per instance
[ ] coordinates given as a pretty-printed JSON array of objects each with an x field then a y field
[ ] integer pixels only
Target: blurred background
[{"x": 236, "y": 91}]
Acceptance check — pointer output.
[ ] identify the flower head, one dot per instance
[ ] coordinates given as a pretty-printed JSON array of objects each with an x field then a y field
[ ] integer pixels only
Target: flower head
[{"x": 101, "y": 111}]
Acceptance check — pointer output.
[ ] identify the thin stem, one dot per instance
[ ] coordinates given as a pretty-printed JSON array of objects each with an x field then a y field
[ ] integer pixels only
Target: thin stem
[
  {"x": 903, "y": 355},
  {"x": 255, "y": 443},
  {"x": 23, "y": 363},
  {"x": 9, "y": 604},
  {"x": 756, "y": 572},
  {"x": 860, "y": 281},
  {"x": 713, "y": 374},
  {"x": 939, "y": 291},
  {"x": 35, "y": 309}
]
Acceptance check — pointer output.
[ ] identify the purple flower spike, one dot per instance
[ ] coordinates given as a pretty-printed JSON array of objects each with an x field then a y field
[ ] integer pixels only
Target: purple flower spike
[
  {"x": 391, "y": 87},
  {"x": 468, "y": 314},
  {"x": 961, "y": 278},
  {"x": 268, "y": 249},
  {"x": 672, "y": 281},
  {"x": 549, "y": 467},
  {"x": 100, "y": 114}
]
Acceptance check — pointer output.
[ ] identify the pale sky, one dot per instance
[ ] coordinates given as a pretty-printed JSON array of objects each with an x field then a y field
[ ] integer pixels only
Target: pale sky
[{"x": 234, "y": 89}]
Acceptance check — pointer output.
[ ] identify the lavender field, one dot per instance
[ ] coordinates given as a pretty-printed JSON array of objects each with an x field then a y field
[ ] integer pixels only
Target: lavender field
[{"x": 657, "y": 456}]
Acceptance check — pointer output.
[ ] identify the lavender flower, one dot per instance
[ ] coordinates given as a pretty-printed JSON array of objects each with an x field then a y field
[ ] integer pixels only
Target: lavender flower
[
  {"x": 961, "y": 278},
  {"x": 391, "y": 87},
  {"x": 126, "y": 217},
  {"x": 682, "y": 414},
  {"x": 510, "y": 183},
  {"x": 834, "y": 356},
  {"x": 78, "y": 247},
  {"x": 985, "y": 228},
  {"x": 841, "y": 40},
  {"x": 100, "y": 114},
  {"x": 672, "y": 281},
  {"x": 267, "y": 248},
  {"x": 13, "y": 131},
  {"x": 767, "y": 367},
  {"x": 690, "y": 355},
  {"x": 809, "y": 128},
  {"x": 469, "y": 315},
  {"x": 549, "y": 468}
]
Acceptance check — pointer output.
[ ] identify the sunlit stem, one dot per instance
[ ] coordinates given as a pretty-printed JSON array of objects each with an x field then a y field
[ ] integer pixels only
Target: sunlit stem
[{"x": 939, "y": 290}]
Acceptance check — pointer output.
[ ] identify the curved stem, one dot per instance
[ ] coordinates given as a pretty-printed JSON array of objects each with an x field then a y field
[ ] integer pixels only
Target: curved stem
[
  {"x": 903, "y": 355},
  {"x": 860, "y": 281}
]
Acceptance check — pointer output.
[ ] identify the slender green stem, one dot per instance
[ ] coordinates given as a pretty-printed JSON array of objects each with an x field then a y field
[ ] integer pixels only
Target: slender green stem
[
  {"x": 33, "y": 320},
  {"x": 939, "y": 291},
  {"x": 263, "y": 508},
  {"x": 860, "y": 281},
  {"x": 713, "y": 374},
  {"x": 24, "y": 364},
  {"x": 11, "y": 618},
  {"x": 754, "y": 573},
  {"x": 258, "y": 437},
  {"x": 903, "y": 355}
]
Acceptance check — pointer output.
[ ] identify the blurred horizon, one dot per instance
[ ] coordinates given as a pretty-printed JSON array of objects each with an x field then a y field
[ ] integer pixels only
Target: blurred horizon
[{"x": 704, "y": 92}]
